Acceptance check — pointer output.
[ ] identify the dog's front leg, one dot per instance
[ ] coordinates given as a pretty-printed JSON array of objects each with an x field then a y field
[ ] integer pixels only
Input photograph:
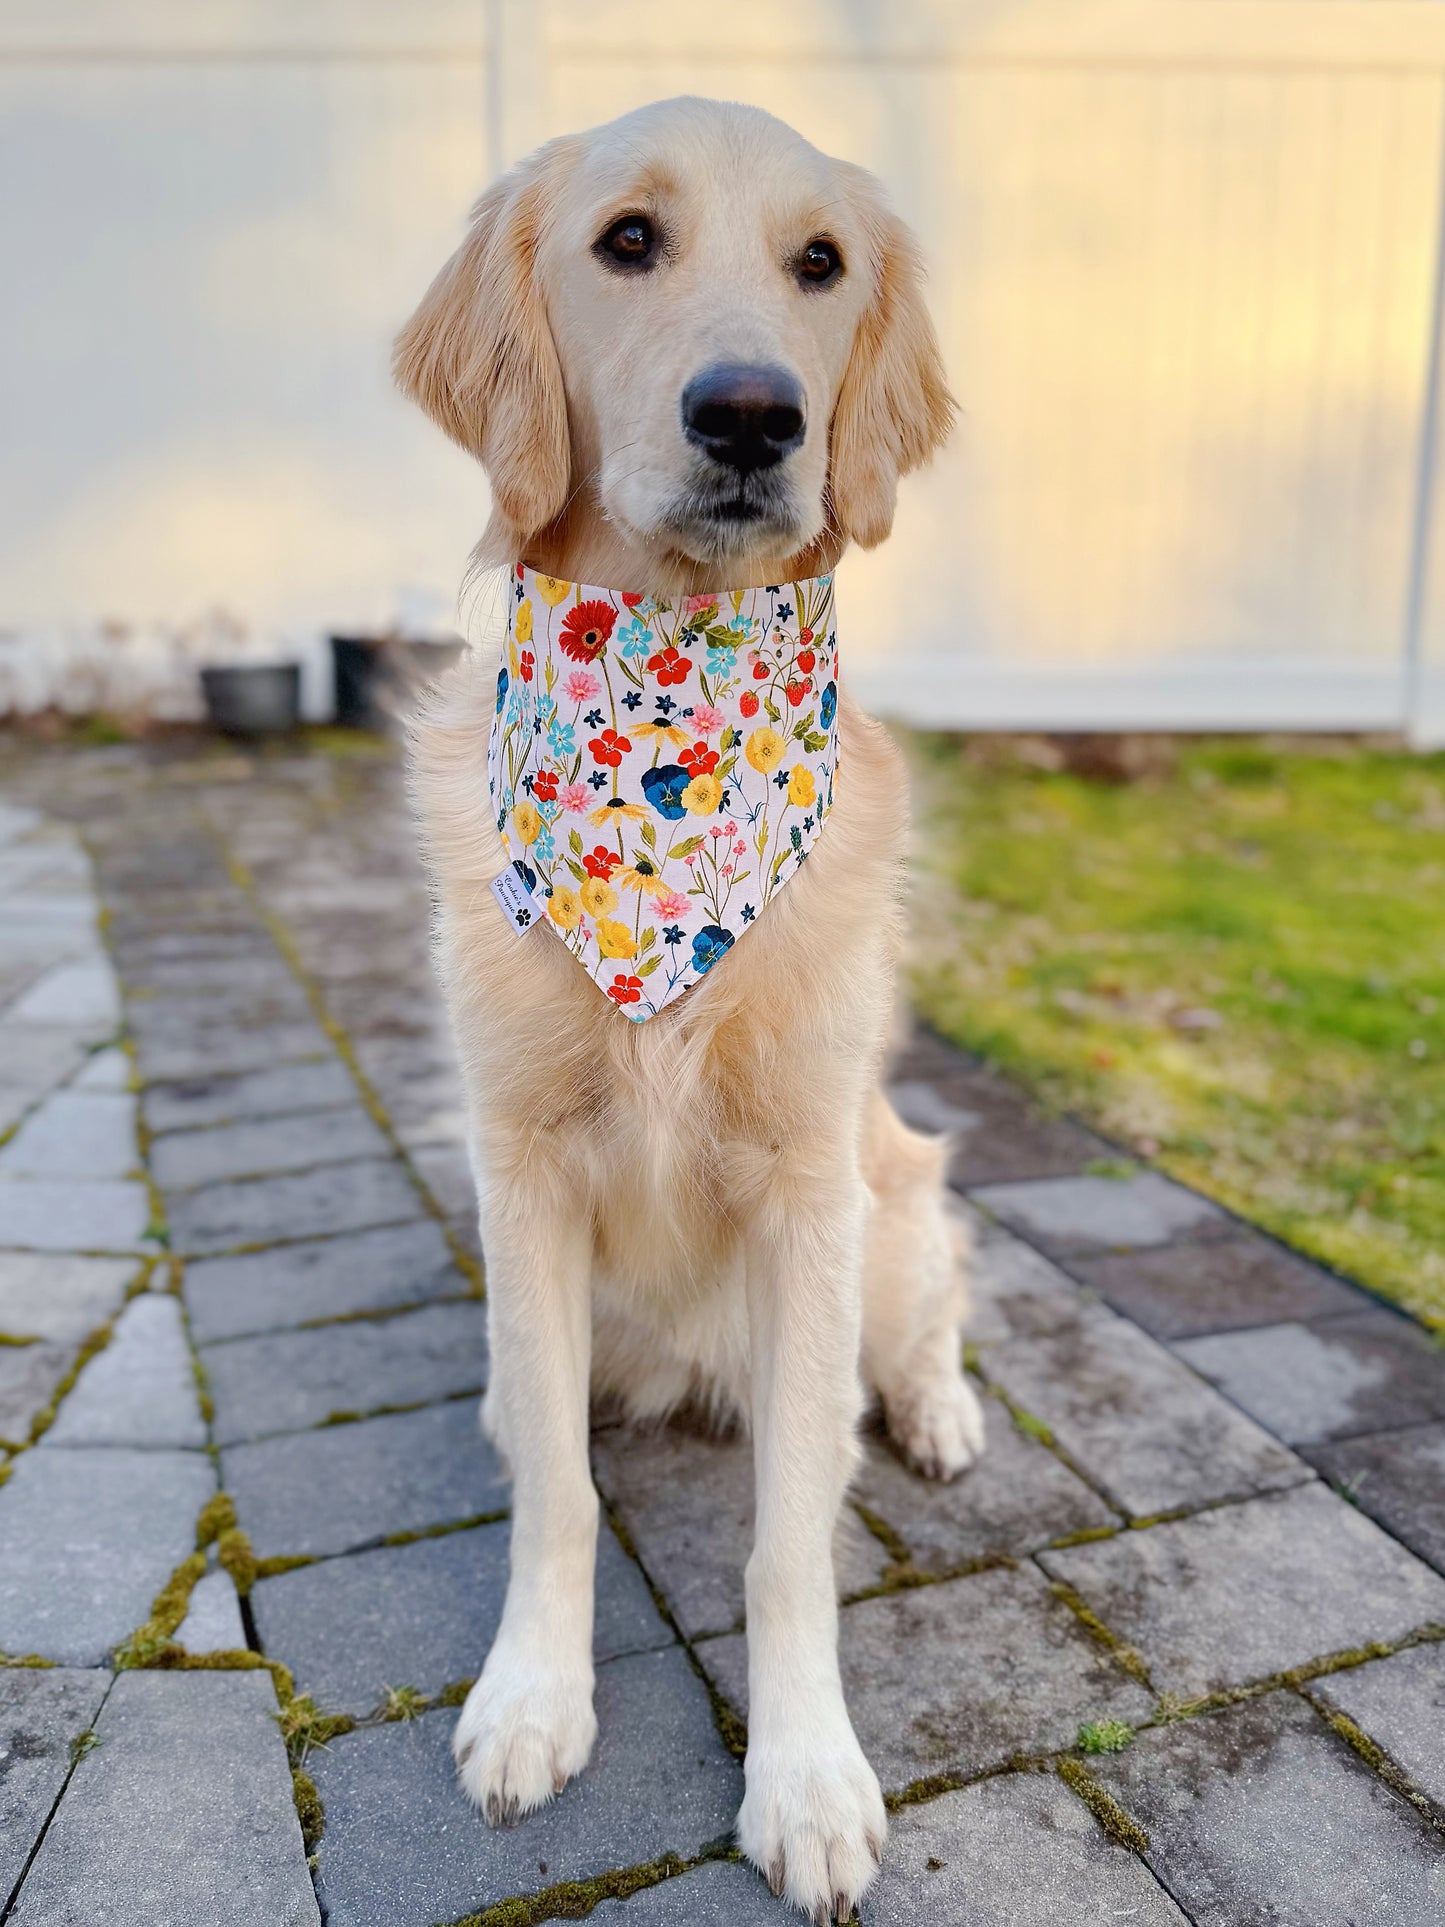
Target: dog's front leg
[
  {"x": 528, "y": 1723},
  {"x": 812, "y": 1816}
]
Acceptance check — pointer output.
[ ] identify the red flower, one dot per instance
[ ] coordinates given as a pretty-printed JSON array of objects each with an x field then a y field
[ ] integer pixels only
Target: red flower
[
  {"x": 586, "y": 629},
  {"x": 632, "y": 600},
  {"x": 520, "y": 571},
  {"x": 760, "y": 670},
  {"x": 796, "y": 692},
  {"x": 609, "y": 748},
  {"x": 544, "y": 785},
  {"x": 528, "y": 664},
  {"x": 601, "y": 863},
  {"x": 748, "y": 703},
  {"x": 699, "y": 760},
  {"x": 669, "y": 667},
  {"x": 806, "y": 659},
  {"x": 805, "y": 635},
  {"x": 625, "y": 990}
]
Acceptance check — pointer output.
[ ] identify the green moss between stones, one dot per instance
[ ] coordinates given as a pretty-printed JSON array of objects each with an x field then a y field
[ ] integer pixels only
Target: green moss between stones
[
  {"x": 1032, "y": 1427},
  {"x": 18, "y": 1339},
  {"x": 303, "y": 1725},
  {"x": 168, "y": 1609},
  {"x": 25, "y": 1659},
  {"x": 1104, "y": 1807},
  {"x": 82, "y": 1744},
  {"x": 892, "y": 1542},
  {"x": 1104, "y": 1635},
  {"x": 575, "y": 1899},
  {"x": 1085, "y": 1536},
  {"x": 402, "y": 1703},
  {"x": 444, "y": 1531},
  {"x": 283, "y": 1562},
  {"x": 233, "y": 1549},
  {"x": 216, "y": 1516},
  {"x": 95, "y": 1341},
  {"x": 455, "y": 1694},
  {"x": 1105, "y": 1736},
  {"x": 309, "y": 1810}
]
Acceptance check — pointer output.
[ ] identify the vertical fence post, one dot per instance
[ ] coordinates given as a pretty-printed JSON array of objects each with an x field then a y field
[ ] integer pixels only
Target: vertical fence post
[{"x": 1424, "y": 712}]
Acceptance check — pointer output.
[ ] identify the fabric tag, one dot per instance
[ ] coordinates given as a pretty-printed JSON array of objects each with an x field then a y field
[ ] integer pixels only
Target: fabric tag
[{"x": 518, "y": 904}]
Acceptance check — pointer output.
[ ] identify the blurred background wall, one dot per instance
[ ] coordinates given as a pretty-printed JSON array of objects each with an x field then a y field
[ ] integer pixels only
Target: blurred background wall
[{"x": 1186, "y": 262}]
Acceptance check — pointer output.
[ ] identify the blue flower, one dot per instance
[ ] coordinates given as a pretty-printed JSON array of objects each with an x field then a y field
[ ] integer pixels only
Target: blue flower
[
  {"x": 710, "y": 943},
  {"x": 560, "y": 739},
  {"x": 672, "y": 933},
  {"x": 632, "y": 699},
  {"x": 781, "y": 779},
  {"x": 526, "y": 873},
  {"x": 808, "y": 824},
  {"x": 545, "y": 848},
  {"x": 785, "y": 612},
  {"x": 594, "y": 719},
  {"x": 502, "y": 681},
  {"x": 748, "y": 914},
  {"x": 720, "y": 661},
  {"x": 663, "y": 788},
  {"x": 598, "y": 779},
  {"x": 828, "y": 707},
  {"x": 636, "y": 638}
]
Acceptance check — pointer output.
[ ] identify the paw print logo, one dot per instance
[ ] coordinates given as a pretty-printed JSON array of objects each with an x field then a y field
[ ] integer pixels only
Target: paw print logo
[{"x": 524, "y": 917}]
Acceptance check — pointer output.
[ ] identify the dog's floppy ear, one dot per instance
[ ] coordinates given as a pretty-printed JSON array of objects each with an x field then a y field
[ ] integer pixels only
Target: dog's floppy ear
[
  {"x": 478, "y": 354},
  {"x": 893, "y": 408}
]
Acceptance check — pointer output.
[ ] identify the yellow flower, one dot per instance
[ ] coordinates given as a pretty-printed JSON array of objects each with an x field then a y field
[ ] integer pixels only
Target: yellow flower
[
  {"x": 642, "y": 875},
  {"x": 802, "y": 787},
  {"x": 553, "y": 590},
  {"x": 598, "y": 897},
  {"x": 634, "y": 812},
  {"x": 765, "y": 750},
  {"x": 528, "y": 819},
  {"x": 614, "y": 939},
  {"x": 516, "y": 665},
  {"x": 563, "y": 907},
  {"x": 522, "y": 627},
  {"x": 669, "y": 732},
  {"x": 702, "y": 795}
]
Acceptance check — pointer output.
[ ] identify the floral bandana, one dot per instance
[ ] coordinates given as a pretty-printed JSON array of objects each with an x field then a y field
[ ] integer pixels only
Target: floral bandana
[{"x": 659, "y": 771}]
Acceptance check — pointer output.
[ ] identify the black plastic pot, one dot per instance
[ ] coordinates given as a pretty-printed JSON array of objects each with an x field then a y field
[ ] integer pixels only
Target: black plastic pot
[
  {"x": 253, "y": 699},
  {"x": 377, "y": 677}
]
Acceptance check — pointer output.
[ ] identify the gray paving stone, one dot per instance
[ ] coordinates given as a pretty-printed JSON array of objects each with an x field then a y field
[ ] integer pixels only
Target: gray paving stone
[
  {"x": 1400, "y": 1703},
  {"x": 1229, "y": 1284},
  {"x": 287, "y": 1381},
  {"x": 998, "y": 1134},
  {"x": 720, "y": 1893},
  {"x": 447, "y": 1174},
  {"x": 42, "y": 1714},
  {"x": 960, "y": 1676},
  {"x": 103, "y": 1529},
  {"x": 184, "y": 1159},
  {"x": 213, "y": 1616},
  {"x": 29, "y": 1375},
  {"x": 1241, "y": 1593},
  {"x": 1017, "y": 1851},
  {"x": 304, "y": 1204},
  {"x": 402, "y": 1847},
  {"x": 687, "y": 1503},
  {"x": 1016, "y": 1291},
  {"x": 1016, "y": 1497},
  {"x": 1399, "y": 1479},
  {"x": 321, "y": 1278},
  {"x": 279, "y": 1091},
  {"x": 72, "y": 993},
  {"x": 1100, "y": 1214},
  {"x": 1259, "y": 1814},
  {"x": 141, "y": 1390},
  {"x": 104, "y": 1070},
  {"x": 1368, "y": 1372},
  {"x": 38, "y": 1214},
  {"x": 348, "y": 1486},
  {"x": 52, "y": 1295},
  {"x": 424, "y": 1615},
  {"x": 212, "y": 1050},
  {"x": 75, "y": 1134},
  {"x": 203, "y": 1750},
  {"x": 1139, "y": 1423}
]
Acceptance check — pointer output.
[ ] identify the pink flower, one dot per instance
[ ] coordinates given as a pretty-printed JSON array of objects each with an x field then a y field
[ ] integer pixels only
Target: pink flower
[
  {"x": 727, "y": 869},
  {"x": 716, "y": 830},
  {"x": 691, "y": 604},
  {"x": 705, "y": 719},
  {"x": 577, "y": 798},
  {"x": 740, "y": 849},
  {"x": 580, "y": 687},
  {"x": 672, "y": 906}
]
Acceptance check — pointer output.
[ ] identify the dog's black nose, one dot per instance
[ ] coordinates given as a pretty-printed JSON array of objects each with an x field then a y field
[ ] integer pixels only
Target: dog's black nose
[{"x": 744, "y": 417}]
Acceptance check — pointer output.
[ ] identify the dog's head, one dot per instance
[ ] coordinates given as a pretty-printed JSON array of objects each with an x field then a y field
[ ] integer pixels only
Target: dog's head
[{"x": 700, "y": 319}]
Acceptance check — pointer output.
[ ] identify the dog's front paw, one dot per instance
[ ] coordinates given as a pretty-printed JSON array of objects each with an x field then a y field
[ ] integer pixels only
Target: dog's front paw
[
  {"x": 937, "y": 1425},
  {"x": 524, "y": 1731},
  {"x": 812, "y": 1822}
]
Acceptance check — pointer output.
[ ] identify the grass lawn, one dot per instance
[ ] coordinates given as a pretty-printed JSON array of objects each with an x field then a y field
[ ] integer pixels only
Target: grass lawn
[{"x": 1234, "y": 964}]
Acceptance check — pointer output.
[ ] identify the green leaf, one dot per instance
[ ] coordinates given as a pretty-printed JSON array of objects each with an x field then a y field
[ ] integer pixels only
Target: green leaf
[
  {"x": 574, "y": 843},
  {"x": 800, "y": 729},
  {"x": 814, "y": 741},
  {"x": 779, "y": 860},
  {"x": 775, "y": 714},
  {"x": 725, "y": 768},
  {"x": 647, "y": 939},
  {"x": 576, "y": 869},
  {"x": 687, "y": 846},
  {"x": 649, "y": 836},
  {"x": 728, "y": 740},
  {"x": 646, "y": 969}
]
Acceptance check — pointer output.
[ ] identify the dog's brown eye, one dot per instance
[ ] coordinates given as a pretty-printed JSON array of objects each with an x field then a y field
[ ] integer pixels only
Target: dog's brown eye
[
  {"x": 819, "y": 263},
  {"x": 629, "y": 242}
]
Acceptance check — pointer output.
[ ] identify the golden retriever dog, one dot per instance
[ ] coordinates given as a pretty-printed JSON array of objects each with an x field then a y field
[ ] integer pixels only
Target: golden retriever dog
[{"x": 716, "y": 1206}]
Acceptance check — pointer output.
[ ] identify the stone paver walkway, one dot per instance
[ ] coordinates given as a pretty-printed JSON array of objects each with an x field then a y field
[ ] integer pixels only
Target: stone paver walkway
[{"x": 1172, "y": 1652}]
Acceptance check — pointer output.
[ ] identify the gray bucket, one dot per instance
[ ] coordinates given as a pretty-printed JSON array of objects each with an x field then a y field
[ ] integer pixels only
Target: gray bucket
[{"x": 253, "y": 699}]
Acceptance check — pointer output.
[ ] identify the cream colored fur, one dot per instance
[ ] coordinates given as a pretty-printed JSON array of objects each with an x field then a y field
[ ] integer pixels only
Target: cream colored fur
[{"x": 717, "y": 1206}]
